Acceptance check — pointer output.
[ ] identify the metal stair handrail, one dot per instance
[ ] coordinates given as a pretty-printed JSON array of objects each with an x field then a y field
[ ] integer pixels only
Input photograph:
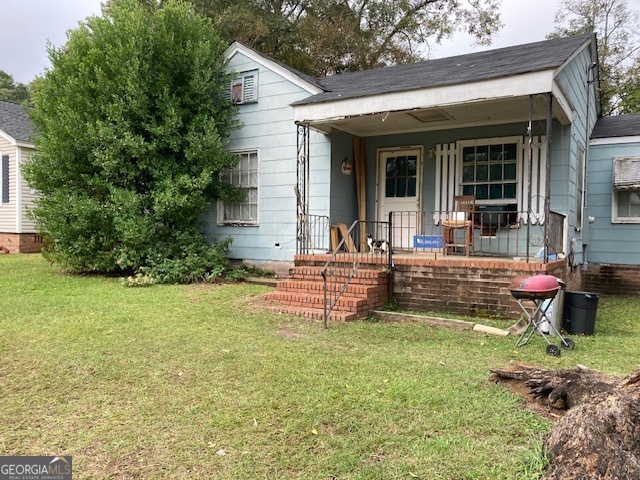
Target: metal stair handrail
[{"x": 351, "y": 260}]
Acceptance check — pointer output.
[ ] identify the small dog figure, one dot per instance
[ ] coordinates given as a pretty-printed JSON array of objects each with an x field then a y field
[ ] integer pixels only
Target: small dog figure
[{"x": 377, "y": 246}]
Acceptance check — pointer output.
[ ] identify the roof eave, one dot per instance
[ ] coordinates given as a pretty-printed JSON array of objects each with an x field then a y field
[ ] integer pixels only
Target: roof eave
[
  {"x": 512, "y": 86},
  {"x": 237, "y": 47},
  {"x": 8, "y": 137}
]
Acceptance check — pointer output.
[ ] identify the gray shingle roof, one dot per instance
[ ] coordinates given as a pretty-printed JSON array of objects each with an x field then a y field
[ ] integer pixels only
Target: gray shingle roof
[
  {"x": 617, "y": 126},
  {"x": 473, "y": 67},
  {"x": 15, "y": 122}
]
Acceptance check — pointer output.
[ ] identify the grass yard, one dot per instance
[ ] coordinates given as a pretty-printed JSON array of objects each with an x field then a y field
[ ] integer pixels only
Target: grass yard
[{"x": 190, "y": 382}]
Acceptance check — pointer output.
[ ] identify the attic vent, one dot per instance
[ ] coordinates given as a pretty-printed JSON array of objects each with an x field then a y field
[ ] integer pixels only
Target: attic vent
[
  {"x": 243, "y": 88},
  {"x": 431, "y": 116}
]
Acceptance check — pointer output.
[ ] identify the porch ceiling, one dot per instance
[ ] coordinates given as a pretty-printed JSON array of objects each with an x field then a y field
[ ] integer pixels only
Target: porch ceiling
[{"x": 488, "y": 112}]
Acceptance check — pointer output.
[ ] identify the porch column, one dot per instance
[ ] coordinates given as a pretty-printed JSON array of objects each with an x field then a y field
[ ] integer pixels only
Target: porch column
[
  {"x": 547, "y": 193},
  {"x": 359, "y": 157},
  {"x": 302, "y": 188}
]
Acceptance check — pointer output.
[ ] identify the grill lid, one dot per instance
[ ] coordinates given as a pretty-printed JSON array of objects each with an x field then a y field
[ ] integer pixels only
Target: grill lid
[{"x": 536, "y": 284}]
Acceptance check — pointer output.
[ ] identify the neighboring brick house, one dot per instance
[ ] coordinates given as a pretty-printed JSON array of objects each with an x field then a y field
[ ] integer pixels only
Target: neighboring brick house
[{"x": 17, "y": 230}]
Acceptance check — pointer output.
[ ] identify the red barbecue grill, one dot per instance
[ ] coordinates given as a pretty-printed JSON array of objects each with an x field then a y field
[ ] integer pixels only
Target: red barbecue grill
[{"x": 538, "y": 289}]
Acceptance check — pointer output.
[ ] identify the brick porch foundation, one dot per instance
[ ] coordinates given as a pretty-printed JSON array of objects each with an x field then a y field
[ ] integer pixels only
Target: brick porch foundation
[
  {"x": 462, "y": 286},
  {"x": 468, "y": 287}
]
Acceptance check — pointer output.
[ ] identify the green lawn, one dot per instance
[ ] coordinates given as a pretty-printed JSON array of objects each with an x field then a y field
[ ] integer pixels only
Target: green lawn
[{"x": 188, "y": 382}]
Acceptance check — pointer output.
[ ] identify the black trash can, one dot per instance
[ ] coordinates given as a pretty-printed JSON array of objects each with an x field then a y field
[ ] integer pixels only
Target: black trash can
[{"x": 580, "y": 312}]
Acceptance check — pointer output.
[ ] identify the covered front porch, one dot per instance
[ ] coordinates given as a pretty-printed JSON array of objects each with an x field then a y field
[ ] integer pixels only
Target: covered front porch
[
  {"x": 395, "y": 207},
  {"x": 410, "y": 144},
  {"x": 409, "y": 181}
]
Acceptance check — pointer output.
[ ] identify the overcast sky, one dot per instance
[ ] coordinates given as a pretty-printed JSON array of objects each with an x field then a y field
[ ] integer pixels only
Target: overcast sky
[{"x": 27, "y": 25}]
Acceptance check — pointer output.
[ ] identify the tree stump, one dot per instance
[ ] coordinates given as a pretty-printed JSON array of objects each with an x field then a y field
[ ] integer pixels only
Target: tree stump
[{"x": 599, "y": 435}]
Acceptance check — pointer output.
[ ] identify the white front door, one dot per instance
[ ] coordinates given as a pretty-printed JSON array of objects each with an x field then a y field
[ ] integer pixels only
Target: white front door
[{"x": 399, "y": 179}]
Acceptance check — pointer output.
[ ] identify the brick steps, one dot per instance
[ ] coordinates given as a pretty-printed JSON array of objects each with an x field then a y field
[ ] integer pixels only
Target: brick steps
[
  {"x": 317, "y": 288},
  {"x": 298, "y": 299},
  {"x": 303, "y": 292},
  {"x": 363, "y": 276},
  {"x": 313, "y": 313}
]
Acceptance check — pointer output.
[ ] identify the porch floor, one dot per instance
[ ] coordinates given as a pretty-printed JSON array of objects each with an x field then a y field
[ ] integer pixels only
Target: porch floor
[{"x": 438, "y": 259}]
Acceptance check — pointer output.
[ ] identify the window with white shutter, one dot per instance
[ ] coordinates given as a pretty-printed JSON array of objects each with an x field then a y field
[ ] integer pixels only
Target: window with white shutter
[{"x": 626, "y": 190}]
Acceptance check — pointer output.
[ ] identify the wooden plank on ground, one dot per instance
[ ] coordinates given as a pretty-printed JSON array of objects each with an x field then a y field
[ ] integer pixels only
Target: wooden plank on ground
[
  {"x": 435, "y": 321},
  {"x": 335, "y": 238}
]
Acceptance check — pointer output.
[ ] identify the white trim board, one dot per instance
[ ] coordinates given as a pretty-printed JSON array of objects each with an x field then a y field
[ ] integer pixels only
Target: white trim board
[
  {"x": 508, "y": 87},
  {"x": 615, "y": 140},
  {"x": 15, "y": 142}
]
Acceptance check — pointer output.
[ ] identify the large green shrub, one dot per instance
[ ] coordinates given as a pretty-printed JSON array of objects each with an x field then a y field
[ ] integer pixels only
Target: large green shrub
[{"x": 132, "y": 124}]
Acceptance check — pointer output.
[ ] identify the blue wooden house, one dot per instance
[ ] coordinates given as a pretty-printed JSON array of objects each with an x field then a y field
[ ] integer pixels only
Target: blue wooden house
[{"x": 366, "y": 171}]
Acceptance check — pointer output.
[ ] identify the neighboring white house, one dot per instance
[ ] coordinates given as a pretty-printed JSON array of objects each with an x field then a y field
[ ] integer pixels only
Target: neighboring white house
[{"x": 17, "y": 231}]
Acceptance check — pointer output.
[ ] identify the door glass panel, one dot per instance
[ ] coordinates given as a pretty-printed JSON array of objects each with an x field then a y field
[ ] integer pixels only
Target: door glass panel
[
  {"x": 401, "y": 176},
  {"x": 390, "y": 188},
  {"x": 391, "y": 167},
  {"x": 411, "y": 187},
  {"x": 401, "y": 190},
  {"x": 412, "y": 166}
]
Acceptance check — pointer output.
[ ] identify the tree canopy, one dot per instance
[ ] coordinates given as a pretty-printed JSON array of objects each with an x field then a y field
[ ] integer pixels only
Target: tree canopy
[
  {"x": 12, "y": 90},
  {"x": 133, "y": 123},
  {"x": 322, "y": 37},
  {"x": 617, "y": 30}
]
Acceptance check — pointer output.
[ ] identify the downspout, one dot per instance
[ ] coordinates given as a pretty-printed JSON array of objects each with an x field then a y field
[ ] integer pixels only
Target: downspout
[
  {"x": 589, "y": 72},
  {"x": 530, "y": 161}
]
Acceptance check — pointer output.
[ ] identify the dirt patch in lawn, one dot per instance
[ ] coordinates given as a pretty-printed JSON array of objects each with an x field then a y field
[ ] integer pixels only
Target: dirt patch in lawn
[{"x": 289, "y": 334}]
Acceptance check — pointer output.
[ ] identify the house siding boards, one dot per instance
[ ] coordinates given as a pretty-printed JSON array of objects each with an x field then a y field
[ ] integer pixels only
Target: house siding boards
[
  {"x": 27, "y": 194},
  {"x": 611, "y": 243},
  {"x": 268, "y": 128},
  {"x": 14, "y": 216},
  {"x": 344, "y": 202},
  {"x": 574, "y": 139}
]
